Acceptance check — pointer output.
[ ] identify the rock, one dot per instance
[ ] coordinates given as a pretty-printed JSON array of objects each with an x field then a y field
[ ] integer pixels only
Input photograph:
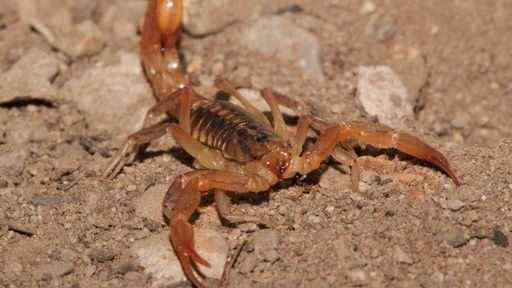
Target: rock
[
  {"x": 31, "y": 76},
  {"x": 401, "y": 257},
  {"x": 455, "y": 238},
  {"x": 275, "y": 36},
  {"x": 47, "y": 200},
  {"x": 50, "y": 12},
  {"x": 222, "y": 13},
  {"x": 12, "y": 163},
  {"x": 155, "y": 254},
  {"x": 265, "y": 244},
  {"x": 453, "y": 205},
  {"x": 367, "y": 8},
  {"x": 149, "y": 205},
  {"x": 499, "y": 238},
  {"x": 357, "y": 276},
  {"x": 53, "y": 270},
  {"x": 382, "y": 94},
  {"x": 114, "y": 98},
  {"x": 343, "y": 248},
  {"x": 121, "y": 19},
  {"x": 82, "y": 40},
  {"x": 54, "y": 20},
  {"x": 101, "y": 255},
  {"x": 20, "y": 133}
]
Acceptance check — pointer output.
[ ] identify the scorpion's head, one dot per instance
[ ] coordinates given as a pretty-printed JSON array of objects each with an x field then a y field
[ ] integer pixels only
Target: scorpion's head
[{"x": 278, "y": 156}]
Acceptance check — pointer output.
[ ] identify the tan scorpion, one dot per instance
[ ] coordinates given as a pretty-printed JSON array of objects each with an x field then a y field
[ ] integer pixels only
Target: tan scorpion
[{"x": 237, "y": 146}]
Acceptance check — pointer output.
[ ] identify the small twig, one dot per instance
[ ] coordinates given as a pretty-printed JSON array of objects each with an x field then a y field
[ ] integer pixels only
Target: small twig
[
  {"x": 230, "y": 263},
  {"x": 21, "y": 230},
  {"x": 70, "y": 185}
]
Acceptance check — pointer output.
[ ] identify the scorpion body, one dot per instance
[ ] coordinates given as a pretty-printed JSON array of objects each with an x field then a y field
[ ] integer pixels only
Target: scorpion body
[
  {"x": 237, "y": 146},
  {"x": 226, "y": 127}
]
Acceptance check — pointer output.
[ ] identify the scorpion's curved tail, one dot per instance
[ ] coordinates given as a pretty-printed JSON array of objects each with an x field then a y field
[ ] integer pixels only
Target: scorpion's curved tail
[{"x": 159, "y": 56}]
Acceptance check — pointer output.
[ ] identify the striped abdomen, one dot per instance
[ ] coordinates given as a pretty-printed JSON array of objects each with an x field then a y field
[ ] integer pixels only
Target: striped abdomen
[{"x": 226, "y": 127}]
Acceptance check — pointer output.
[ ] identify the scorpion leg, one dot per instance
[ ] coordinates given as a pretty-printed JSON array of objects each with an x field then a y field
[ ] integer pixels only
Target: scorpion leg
[
  {"x": 131, "y": 147},
  {"x": 224, "y": 211},
  {"x": 151, "y": 130},
  {"x": 183, "y": 198},
  {"x": 345, "y": 154},
  {"x": 312, "y": 158},
  {"x": 228, "y": 87},
  {"x": 279, "y": 124}
]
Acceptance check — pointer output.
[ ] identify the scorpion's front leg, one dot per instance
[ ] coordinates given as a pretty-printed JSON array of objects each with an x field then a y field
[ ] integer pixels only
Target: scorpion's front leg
[{"x": 183, "y": 198}]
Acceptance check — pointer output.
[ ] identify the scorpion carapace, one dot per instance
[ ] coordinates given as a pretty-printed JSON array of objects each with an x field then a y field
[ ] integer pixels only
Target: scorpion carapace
[{"x": 237, "y": 146}]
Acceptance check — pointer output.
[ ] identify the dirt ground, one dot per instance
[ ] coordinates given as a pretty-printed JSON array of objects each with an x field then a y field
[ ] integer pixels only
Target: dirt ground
[{"x": 62, "y": 225}]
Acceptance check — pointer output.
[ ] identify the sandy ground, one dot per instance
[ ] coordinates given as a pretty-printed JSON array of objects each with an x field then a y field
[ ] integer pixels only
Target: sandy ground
[{"x": 61, "y": 225}]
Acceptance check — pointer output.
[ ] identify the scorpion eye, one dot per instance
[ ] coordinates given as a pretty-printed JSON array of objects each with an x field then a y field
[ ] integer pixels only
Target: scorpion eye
[{"x": 261, "y": 137}]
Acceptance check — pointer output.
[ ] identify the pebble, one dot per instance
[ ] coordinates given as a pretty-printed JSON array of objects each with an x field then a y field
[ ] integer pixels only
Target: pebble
[
  {"x": 401, "y": 257},
  {"x": 266, "y": 243},
  {"x": 31, "y": 76},
  {"x": 382, "y": 94},
  {"x": 54, "y": 20},
  {"x": 358, "y": 276},
  {"x": 53, "y": 270},
  {"x": 125, "y": 267},
  {"x": 221, "y": 17},
  {"x": 149, "y": 205},
  {"x": 101, "y": 255},
  {"x": 499, "y": 238},
  {"x": 157, "y": 257},
  {"x": 342, "y": 248},
  {"x": 13, "y": 162},
  {"x": 114, "y": 98},
  {"x": 82, "y": 40},
  {"x": 47, "y": 200},
  {"x": 368, "y": 8},
  {"x": 458, "y": 122},
  {"x": 453, "y": 205},
  {"x": 455, "y": 238},
  {"x": 275, "y": 36}
]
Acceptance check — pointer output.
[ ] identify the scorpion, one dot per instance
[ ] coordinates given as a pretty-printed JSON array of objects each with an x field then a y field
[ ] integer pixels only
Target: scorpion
[{"x": 238, "y": 148}]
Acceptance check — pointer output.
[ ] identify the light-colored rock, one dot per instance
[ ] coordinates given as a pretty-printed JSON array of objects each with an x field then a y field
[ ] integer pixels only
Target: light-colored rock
[
  {"x": 381, "y": 93},
  {"x": 266, "y": 243},
  {"x": 275, "y": 36},
  {"x": 121, "y": 20},
  {"x": 114, "y": 98},
  {"x": 401, "y": 256},
  {"x": 51, "y": 12},
  {"x": 54, "y": 20},
  {"x": 222, "y": 13},
  {"x": 155, "y": 254},
  {"x": 149, "y": 205},
  {"x": 52, "y": 270},
  {"x": 12, "y": 161},
  {"x": 453, "y": 204},
  {"x": 31, "y": 76},
  {"x": 358, "y": 276}
]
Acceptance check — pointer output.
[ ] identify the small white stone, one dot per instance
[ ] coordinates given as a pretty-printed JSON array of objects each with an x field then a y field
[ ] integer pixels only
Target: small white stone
[
  {"x": 157, "y": 257},
  {"x": 368, "y": 8}
]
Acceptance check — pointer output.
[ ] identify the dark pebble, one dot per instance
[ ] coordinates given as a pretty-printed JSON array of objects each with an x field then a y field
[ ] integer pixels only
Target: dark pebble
[
  {"x": 499, "y": 238},
  {"x": 101, "y": 255},
  {"x": 46, "y": 200}
]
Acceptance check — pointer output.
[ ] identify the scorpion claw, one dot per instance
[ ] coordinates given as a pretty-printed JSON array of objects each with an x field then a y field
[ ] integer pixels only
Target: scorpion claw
[{"x": 182, "y": 239}]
